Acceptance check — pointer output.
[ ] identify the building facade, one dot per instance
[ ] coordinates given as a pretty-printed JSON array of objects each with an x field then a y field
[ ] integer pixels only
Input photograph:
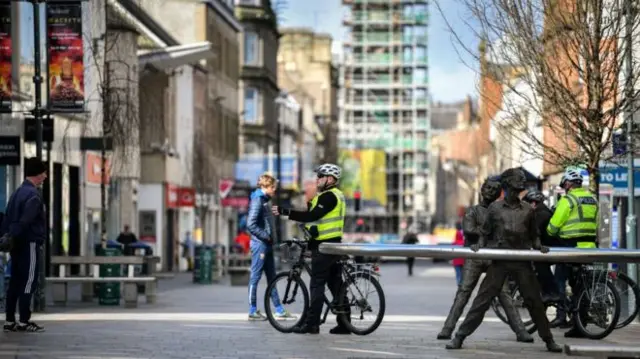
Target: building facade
[
  {"x": 386, "y": 104},
  {"x": 306, "y": 64},
  {"x": 259, "y": 76}
]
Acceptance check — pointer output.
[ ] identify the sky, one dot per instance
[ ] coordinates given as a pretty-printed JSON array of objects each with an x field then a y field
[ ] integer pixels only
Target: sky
[{"x": 451, "y": 77}]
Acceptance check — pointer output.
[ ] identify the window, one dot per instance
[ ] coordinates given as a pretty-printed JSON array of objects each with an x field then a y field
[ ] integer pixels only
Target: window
[
  {"x": 248, "y": 2},
  {"x": 250, "y": 48},
  {"x": 250, "y": 105}
]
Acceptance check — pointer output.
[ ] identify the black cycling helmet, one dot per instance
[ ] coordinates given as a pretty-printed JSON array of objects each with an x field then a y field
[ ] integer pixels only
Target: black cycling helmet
[{"x": 534, "y": 196}]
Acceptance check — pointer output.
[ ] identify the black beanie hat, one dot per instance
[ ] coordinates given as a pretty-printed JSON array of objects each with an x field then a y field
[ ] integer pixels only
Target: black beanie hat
[{"x": 34, "y": 166}]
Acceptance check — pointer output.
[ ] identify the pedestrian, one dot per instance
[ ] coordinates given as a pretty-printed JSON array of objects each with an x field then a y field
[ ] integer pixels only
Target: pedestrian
[
  {"x": 25, "y": 224},
  {"x": 458, "y": 263},
  {"x": 509, "y": 224},
  {"x": 410, "y": 238},
  {"x": 260, "y": 227},
  {"x": 325, "y": 221}
]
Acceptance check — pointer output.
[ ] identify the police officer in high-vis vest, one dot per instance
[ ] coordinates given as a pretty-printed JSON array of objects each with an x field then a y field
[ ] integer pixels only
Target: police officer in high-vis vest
[
  {"x": 575, "y": 223},
  {"x": 324, "y": 219}
]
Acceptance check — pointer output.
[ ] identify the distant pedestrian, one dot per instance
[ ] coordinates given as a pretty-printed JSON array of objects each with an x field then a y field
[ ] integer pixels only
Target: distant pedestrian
[
  {"x": 458, "y": 263},
  {"x": 410, "y": 238},
  {"x": 126, "y": 237},
  {"x": 25, "y": 224}
]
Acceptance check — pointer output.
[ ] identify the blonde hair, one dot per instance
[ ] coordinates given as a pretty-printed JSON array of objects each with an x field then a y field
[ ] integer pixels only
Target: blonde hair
[{"x": 266, "y": 181}]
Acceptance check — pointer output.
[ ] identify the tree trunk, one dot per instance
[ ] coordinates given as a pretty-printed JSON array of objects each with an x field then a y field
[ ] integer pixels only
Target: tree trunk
[{"x": 594, "y": 180}]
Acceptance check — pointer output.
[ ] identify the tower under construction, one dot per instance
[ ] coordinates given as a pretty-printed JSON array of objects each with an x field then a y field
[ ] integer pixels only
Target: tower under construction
[{"x": 385, "y": 104}]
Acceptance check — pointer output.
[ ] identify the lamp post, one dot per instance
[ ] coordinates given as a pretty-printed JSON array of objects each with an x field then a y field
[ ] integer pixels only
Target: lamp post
[
  {"x": 280, "y": 101},
  {"x": 631, "y": 217}
]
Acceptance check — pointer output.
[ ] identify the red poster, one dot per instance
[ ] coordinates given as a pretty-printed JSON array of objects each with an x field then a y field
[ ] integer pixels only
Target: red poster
[
  {"x": 5, "y": 57},
  {"x": 66, "y": 66}
]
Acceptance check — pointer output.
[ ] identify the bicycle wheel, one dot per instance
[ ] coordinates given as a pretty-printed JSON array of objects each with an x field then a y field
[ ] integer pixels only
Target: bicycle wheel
[
  {"x": 290, "y": 289},
  {"x": 357, "y": 300},
  {"x": 629, "y": 299},
  {"x": 607, "y": 308},
  {"x": 499, "y": 310},
  {"x": 518, "y": 303}
]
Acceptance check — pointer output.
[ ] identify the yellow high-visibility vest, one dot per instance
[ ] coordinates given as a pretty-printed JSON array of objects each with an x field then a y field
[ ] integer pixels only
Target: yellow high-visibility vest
[{"x": 332, "y": 224}]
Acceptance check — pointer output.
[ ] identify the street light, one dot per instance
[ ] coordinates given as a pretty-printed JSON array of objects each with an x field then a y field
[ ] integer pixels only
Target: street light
[{"x": 280, "y": 100}]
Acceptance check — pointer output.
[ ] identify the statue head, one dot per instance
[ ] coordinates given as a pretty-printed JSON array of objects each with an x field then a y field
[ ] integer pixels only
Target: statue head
[
  {"x": 513, "y": 180},
  {"x": 490, "y": 190}
]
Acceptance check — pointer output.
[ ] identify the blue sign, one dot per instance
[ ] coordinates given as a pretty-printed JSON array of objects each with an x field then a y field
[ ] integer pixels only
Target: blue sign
[
  {"x": 616, "y": 176},
  {"x": 251, "y": 167}
]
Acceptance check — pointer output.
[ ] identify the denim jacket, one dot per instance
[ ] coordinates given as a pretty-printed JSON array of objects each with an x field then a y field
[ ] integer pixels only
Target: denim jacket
[{"x": 259, "y": 219}]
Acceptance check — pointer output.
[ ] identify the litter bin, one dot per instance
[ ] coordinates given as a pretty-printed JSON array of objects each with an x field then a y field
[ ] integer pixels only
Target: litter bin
[
  {"x": 109, "y": 293},
  {"x": 97, "y": 250},
  {"x": 204, "y": 256},
  {"x": 139, "y": 249}
]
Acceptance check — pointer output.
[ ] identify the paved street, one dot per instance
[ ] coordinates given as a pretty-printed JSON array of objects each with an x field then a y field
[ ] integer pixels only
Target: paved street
[{"x": 193, "y": 321}]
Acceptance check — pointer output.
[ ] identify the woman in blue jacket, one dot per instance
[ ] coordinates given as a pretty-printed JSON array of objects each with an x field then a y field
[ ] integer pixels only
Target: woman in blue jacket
[{"x": 260, "y": 226}]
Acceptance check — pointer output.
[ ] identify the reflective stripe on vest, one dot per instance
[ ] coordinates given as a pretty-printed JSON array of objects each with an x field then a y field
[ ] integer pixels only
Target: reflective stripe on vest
[
  {"x": 583, "y": 220},
  {"x": 332, "y": 224}
]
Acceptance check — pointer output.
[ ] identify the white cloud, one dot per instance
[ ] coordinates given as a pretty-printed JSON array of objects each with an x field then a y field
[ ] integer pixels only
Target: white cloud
[{"x": 452, "y": 84}]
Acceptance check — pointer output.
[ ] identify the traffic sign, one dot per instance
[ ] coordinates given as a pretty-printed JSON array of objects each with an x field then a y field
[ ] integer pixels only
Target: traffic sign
[{"x": 224, "y": 187}]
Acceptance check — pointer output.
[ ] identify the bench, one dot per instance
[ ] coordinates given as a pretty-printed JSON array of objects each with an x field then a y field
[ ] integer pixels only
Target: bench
[
  {"x": 605, "y": 351},
  {"x": 60, "y": 283},
  {"x": 239, "y": 269}
]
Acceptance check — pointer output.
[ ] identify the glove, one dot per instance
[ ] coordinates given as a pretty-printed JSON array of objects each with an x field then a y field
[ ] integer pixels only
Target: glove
[
  {"x": 475, "y": 247},
  {"x": 543, "y": 249}
]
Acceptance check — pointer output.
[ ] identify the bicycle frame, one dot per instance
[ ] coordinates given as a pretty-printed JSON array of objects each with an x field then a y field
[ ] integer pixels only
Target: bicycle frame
[{"x": 348, "y": 272}]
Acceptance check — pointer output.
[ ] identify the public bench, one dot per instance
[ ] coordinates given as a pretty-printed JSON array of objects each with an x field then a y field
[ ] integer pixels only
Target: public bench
[
  {"x": 59, "y": 284},
  {"x": 605, "y": 351},
  {"x": 239, "y": 269}
]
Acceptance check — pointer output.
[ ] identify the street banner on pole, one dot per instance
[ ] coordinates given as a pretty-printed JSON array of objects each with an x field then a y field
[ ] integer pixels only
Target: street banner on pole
[
  {"x": 6, "y": 52},
  {"x": 65, "y": 57}
]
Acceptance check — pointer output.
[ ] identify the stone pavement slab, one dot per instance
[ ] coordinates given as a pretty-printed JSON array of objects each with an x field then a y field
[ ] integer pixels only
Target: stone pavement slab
[{"x": 200, "y": 321}]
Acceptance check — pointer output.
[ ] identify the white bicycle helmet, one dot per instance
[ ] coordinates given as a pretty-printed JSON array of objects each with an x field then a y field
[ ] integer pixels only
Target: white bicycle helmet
[
  {"x": 329, "y": 169},
  {"x": 571, "y": 175}
]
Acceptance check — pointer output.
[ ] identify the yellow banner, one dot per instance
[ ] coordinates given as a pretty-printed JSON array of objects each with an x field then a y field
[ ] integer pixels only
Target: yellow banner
[{"x": 364, "y": 170}]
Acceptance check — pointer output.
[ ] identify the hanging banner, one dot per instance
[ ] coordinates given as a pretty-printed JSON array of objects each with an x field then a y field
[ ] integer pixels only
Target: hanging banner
[
  {"x": 6, "y": 52},
  {"x": 65, "y": 54}
]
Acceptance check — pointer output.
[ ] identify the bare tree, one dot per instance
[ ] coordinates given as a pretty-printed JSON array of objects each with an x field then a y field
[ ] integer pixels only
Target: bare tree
[
  {"x": 115, "y": 74},
  {"x": 570, "y": 57}
]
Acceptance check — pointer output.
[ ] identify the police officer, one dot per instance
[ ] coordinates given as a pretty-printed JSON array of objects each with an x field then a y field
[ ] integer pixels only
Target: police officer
[
  {"x": 575, "y": 222},
  {"x": 326, "y": 213}
]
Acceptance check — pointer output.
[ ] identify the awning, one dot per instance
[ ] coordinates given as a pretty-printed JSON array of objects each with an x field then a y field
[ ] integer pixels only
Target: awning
[{"x": 176, "y": 56}]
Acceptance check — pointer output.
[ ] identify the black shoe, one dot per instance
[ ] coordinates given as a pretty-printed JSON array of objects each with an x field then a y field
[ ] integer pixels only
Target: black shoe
[
  {"x": 456, "y": 343},
  {"x": 444, "y": 335},
  {"x": 524, "y": 338},
  {"x": 10, "y": 326},
  {"x": 305, "y": 329},
  {"x": 339, "y": 330},
  {"x": 558, "y": 322},
  {"x": 30, "y": 327},
  {"x": 552, "y": 346},
  {"x": 573, "y": 333}
]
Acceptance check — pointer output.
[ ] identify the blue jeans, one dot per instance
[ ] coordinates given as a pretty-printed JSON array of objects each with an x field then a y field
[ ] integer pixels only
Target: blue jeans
[
  {"x": 262, "y": 260},
  {"x": 458, "y": 274}
]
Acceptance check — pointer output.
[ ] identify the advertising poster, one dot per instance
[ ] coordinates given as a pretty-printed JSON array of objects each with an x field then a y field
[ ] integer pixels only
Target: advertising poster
[
  {"x": 5, "y": 56},
  {"x": 364, "y": 170},
  {"x": 65, "y": 52}
]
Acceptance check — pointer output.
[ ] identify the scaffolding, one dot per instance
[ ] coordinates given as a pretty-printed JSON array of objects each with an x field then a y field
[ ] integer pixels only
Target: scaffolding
[{"x": 385, "y": 102}]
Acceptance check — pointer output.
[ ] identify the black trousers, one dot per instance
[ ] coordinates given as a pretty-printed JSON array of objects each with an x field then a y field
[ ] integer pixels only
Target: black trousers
[
  {"x": 546, "y": 278},
  {"x": 325, "y": 270},
  {"x": 523, "y": 273},
  {"x": 472, "y": 271},
  {"x": 410, "y": 261},
  {"x": 23, "y": 282}
]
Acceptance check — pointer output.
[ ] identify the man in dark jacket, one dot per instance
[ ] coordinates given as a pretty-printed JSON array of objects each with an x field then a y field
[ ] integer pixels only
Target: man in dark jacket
[
  {"x": 543, "y": 269},
  {"x": 25, "y": 224},
  {"x": 472, "y": 223},
  {"x": 410, "y": 238}
]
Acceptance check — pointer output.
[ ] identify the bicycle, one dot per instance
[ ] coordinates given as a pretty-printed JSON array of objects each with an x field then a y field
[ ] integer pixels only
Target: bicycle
[
  {"x": 351, "y": 273},
  {"x": 589, "y": 281}
]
